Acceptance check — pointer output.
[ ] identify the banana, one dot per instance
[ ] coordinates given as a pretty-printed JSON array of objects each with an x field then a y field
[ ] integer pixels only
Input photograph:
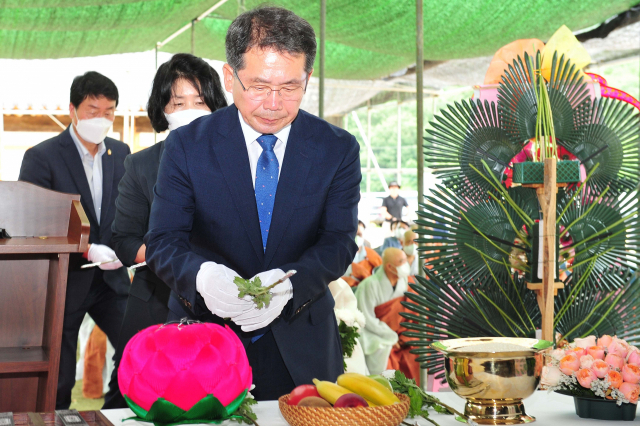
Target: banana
[
  {"x": 367, "y": 388},
  {"x": 330, "y": 391}
]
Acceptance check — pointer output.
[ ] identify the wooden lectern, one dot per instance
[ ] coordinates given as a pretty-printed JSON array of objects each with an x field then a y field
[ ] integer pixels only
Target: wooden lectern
[{"x": 45, "y": 227}]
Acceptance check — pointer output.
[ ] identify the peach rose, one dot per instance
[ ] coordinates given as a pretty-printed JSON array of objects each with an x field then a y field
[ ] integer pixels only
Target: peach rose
[
  {"x": 633, "y": 357},
  {"x": 586, "y": 342},
  {"x": 630, "y": 391},
  {"x": 578, "y": 351},
  {"x": 617, "y": 348},
  {"x": 614, "y": 361},
  {"x": 585, "y": 376},
  {"x": 600, "y": 367},
  {"x": 596, "y": 352},
  {"x": 550, "y": 376},
  {"x": 631, "y": 374},
  {"x": 569, "y": 364},
  {"x": 604, "y": 340},
  {"x": 586, "y": 361},
  {"x": 615, "y": 379},
  {"x": 557, "y": 354}
]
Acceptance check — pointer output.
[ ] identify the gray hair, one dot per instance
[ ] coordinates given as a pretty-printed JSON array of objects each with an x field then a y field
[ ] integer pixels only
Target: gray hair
[{"x": 270, "y": 28}]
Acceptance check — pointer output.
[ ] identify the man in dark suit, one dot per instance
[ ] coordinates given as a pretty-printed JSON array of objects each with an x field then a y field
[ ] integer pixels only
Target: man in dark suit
[
  {"x": 256, "y": 189},
  {"x": 82, "y": 160}
]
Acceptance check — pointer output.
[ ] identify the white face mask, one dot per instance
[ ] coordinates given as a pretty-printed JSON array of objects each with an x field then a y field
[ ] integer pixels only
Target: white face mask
[
  {"x": 182, "y": 118},
  {"x": 93, "y": 130},
  {"x": 359, "y": 240},
  {"x": 400, "y": 233},
  {"x": 403, "y": 270},
  {"x": 410, "y": 249}
]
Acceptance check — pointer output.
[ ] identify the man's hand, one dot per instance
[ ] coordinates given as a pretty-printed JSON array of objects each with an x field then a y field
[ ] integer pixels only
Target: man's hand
[
  {"x": 101, "y": 253},
  {"x": 255, "y": 318},
  {"x": 215, "y": 283}
]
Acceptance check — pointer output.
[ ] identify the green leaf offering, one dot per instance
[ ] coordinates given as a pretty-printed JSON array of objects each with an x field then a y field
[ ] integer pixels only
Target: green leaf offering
[
  {"x": 245, "y": 410},
  {"x": 261, "y": 296}
]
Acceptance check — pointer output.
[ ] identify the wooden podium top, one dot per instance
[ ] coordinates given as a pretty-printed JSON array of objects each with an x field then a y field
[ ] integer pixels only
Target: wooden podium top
[
  {"x": 41, "y": 221},
  {"x": 93, "y": 418}
]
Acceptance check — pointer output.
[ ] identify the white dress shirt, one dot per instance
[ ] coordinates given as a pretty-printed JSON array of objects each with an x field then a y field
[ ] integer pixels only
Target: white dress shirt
[
  {"x": 255, "y": 150},
  {"x": 93, "y": 169}
]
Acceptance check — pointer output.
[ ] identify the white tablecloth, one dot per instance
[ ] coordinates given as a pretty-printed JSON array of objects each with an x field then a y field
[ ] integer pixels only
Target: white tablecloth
[{"x": 548, "y": 409}]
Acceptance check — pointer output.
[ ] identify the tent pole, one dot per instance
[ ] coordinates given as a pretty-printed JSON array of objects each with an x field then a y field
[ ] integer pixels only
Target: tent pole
[
  {"x": 323, "y": 24},
  {"x": 193, "y": 37},
  {"x": 420, "y": 99},
  {"x": 186, "y": 27},
  {"x": 399, "y": 163},
  {"x": 370, "y": 152}
]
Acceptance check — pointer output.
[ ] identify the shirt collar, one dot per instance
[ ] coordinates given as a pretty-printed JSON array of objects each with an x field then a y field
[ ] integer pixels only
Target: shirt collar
[
  {"x": 81, "y": 148},
  {"x": 250, "y": 134}
]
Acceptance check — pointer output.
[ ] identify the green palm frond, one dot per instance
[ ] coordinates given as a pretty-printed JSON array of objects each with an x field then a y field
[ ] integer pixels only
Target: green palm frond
[
  {"x": 598, "y": 311},
  {"x": 568, "y": 97},
  {"x": 459, "y": 236},
  {"x": 607, "y": 227},
  {"x": 610, "y": 137},
  {"x": 467, "y": 133}
]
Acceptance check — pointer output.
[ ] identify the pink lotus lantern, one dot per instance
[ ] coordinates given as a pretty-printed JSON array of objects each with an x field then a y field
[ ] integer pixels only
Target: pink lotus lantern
[{"x": 180, "y": 373}]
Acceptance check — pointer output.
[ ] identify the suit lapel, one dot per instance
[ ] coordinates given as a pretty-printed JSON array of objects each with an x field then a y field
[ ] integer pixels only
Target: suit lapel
[
  {"x": 74, "y": 164},
  {"x": 295, "y": 168},
  {"x": 233, "y": 160},
  {"x": 107, "y": 182}
]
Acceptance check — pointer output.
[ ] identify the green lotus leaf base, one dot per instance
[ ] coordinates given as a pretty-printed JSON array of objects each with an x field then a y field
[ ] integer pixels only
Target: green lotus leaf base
[{"x": 207, "y": 410}]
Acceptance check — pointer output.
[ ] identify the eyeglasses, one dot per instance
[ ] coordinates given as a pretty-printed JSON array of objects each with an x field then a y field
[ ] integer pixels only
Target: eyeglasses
[{"x": 261, "y": 93}]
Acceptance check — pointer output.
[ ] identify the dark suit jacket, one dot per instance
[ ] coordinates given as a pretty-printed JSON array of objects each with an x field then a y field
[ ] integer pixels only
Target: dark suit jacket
[
  {"x": 205, "y": 210},
  {"x": 131, "y": 222},
  {"x": 55, "y": 164}
]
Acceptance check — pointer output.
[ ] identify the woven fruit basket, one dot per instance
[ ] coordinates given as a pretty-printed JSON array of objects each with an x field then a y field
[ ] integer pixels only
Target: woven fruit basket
[{"x": 385, "y": 415}]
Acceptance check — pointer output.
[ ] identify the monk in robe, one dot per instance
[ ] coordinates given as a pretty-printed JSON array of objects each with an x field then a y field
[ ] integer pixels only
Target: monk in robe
[
  {"x": 363, "y": 264},
  {"x": 387, "y": 283}
]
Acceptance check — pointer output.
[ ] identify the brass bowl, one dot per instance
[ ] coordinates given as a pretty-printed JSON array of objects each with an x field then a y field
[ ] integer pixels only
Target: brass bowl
[{"x": 494, "y": 383}]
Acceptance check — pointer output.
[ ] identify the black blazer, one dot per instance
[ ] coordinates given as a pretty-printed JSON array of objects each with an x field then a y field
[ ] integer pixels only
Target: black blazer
[
  {"x": 205, "y": 209},
  {"x": 55, "y": 164},
  {"x": 132, "y": 217}
]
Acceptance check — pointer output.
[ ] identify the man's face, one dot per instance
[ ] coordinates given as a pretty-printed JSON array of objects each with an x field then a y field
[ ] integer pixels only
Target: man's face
[
  {"x": 398, "y": 260},
  {"x": 393, "y": 191},
  {"x": 360, "y": 230},
  {"x": 93, "y": 107},
  {"x": 274, "y": 70}
]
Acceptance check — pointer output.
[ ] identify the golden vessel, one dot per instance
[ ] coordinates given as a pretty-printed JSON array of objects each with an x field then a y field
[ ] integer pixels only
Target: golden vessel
[{"x": 494, "y": 383}]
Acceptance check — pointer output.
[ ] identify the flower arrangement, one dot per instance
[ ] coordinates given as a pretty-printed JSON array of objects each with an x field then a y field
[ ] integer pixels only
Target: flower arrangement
[{"x": 605, "y": 367}]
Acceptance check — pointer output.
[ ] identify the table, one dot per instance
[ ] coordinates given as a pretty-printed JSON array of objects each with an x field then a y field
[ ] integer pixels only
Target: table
[{"x": 548, "y": 409}]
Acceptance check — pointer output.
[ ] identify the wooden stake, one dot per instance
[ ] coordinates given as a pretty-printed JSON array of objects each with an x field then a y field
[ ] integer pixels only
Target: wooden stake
[{"x": 547, "y": 198}]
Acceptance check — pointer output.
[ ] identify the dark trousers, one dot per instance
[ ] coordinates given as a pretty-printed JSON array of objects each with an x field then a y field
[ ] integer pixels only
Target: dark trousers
[
  {"x": 139, "y": 315},
  {"x": 270, "y": 374},
  {"x": 107, "y": 309}
]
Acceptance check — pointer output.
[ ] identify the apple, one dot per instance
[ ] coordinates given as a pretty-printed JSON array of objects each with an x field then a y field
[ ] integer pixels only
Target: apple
[
  {"x": 350, "y": 400},
  {"x": 300, "y": 392}
]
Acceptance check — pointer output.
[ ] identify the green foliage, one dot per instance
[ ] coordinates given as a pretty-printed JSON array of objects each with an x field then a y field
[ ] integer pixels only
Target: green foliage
[
  {"x": 245, "y": 410},
  {"x": 348, "y": 336},
  {"x": 420, "y": 400},
  {"x": 260, "y": 295}
]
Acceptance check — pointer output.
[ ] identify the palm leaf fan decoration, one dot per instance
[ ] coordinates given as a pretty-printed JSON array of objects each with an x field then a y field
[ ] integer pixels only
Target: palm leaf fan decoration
[
  {"x": 609, "y": 138},
  {"x": 568, "y": 97},
  {"x": 582, "y": 310},
  {"x": 442, "y": 311},
  {"x": 467, "y": 133},
  {"x": 461, "y": 237},
  {"x": 599, "y": 228}
]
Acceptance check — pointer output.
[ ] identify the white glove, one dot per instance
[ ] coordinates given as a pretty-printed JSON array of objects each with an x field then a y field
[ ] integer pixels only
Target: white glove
[
  {"x": 102, "y": 253},
  {"x": 258, "y": 318},
  {"x": 215, "y": 284}
]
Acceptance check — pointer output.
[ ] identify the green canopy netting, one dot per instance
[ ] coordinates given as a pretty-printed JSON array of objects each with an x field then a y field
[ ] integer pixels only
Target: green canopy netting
[{"x": 365, "y": 39}]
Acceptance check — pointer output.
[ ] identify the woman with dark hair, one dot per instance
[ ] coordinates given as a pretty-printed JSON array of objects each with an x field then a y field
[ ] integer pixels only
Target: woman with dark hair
[{"x": 184, "y": 89}]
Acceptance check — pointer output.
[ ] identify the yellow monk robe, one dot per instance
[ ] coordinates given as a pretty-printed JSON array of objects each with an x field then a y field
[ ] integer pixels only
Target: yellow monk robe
[{"x": 364, "y": 268}]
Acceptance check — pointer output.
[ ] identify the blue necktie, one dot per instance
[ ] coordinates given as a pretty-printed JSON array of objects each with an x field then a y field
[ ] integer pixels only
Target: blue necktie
[{"x": 266, "y": 184}]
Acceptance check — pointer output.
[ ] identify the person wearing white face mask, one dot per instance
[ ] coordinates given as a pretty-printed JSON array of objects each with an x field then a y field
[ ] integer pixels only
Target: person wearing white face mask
[
  {"x": 398, "y": 228},
  {"x": 184, "y": 89},
  {"x": 82, "y": 160},
  {"x": 409, "y": 248},
  {"x": 387, "y": 283}
]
